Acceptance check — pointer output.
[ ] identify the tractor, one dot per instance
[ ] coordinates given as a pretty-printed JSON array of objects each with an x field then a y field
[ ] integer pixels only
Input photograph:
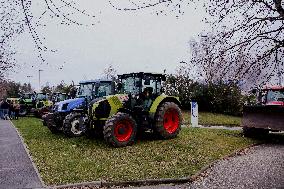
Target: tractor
[
  {"x": 42, "y": 104},
  {"x": 140, "y": 106},
  {"x": 66, "y": 115},
  {"x": 267, "y": 114},
  {"x": 27, "y": 103}
]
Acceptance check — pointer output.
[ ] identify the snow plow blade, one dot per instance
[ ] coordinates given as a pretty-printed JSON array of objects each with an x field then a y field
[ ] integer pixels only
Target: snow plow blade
[{"x": 267, "y": 117}]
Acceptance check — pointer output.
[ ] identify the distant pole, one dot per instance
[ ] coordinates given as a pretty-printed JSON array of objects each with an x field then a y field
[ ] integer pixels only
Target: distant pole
[{"x": 39, "y": 79}]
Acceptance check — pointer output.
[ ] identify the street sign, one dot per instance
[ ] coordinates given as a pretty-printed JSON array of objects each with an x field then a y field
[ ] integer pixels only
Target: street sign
[{"x": 194, "y": 114}]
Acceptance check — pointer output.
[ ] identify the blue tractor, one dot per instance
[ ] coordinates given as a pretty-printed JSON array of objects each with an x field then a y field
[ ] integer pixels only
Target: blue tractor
[{"x": 69, "y": 115}]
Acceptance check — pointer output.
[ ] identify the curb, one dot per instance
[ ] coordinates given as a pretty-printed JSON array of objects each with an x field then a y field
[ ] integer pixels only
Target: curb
[
  {"x": 126, "y": 183},
  {"x": 149, "y": 182},
  {"x": 30, "y": 157}
]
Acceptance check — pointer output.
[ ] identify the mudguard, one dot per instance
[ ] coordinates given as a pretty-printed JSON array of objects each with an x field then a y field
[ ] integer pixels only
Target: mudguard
[{"x": 159, "y": 100}]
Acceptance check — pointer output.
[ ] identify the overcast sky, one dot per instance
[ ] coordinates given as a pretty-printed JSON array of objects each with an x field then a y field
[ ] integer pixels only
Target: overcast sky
[{"x": 131, "y": 41}]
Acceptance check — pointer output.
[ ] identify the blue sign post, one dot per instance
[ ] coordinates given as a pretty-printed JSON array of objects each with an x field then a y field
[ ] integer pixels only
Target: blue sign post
[{"x": 194, "y": 114}]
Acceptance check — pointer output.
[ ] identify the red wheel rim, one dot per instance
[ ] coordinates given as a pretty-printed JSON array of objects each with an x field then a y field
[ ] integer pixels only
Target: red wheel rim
[
  {"x": 123, "y": 130},
  {"x": 171, "y": 121}
]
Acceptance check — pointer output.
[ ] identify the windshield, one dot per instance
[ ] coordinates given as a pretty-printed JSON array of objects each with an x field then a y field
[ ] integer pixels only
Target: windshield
[
  {"x": 61, "y": 97},
  {"x": 273, "y": 95},
  {"x": 152, "y": 83},
  {"x": 129, "y": 85},
  {"x": 103, "y": 90},
  {"x": 41, "y": 96},
  {"x": 27, "y": 96},
  {"x": 85, "y": 90}
]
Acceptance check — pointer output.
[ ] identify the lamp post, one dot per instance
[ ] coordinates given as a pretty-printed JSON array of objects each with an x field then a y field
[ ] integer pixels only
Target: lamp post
[{"x": 39, "y": 79}]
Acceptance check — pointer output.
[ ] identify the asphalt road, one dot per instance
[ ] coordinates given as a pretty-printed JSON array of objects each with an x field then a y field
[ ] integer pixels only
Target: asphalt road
[{"x": 16, "y": 168}]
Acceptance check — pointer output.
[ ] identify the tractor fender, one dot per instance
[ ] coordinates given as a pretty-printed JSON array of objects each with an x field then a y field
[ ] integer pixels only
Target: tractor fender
[
  {"x": 114, "y": 101},
  {"x": 160, "y": 100}
]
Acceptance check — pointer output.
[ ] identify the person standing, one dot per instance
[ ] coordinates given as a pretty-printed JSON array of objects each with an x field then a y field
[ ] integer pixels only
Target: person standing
[
  {"x": 17, "y": 110},
  {"x": 12, "y": 110},
  {"x": 1, "y": 110},
  {"x": 5, "y": 109}
]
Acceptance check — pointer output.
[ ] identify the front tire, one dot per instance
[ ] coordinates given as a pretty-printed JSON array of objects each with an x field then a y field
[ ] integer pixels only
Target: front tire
[
  {"x": 71, "y": 125},
  {"x": 23, "y": 111},
  {"x": 120, "y": 130},
  {"x": 51, "y": 124},
  {"x": 168, "y": 120}
]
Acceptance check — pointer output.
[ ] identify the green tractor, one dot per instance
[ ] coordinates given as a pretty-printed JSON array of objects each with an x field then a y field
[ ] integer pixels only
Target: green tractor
[
  {"x": 27, "y": 103},
  {"x": 140, "y": 107}
]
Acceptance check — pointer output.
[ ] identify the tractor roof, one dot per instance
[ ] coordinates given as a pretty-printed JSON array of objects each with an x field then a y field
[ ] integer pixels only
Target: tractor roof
[
  {"x": 55, "y": 93},
  {"x": 273, "y": 88},
  {"x": 142, "y": 75},
  {"x": 96, "y": 81}
]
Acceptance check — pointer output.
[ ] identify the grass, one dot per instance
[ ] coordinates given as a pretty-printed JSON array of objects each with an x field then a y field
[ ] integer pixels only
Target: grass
[
  {"x": 62, "y": 160},
  {"x": 207, "y": 118}
]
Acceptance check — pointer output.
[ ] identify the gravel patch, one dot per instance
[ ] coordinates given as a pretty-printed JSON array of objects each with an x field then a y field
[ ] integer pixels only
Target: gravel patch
[{"x": 259, "y": 167}]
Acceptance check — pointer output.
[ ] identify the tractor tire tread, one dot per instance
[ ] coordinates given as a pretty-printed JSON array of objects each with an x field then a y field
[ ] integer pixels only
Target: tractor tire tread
[
  {"x": 159, "y": 120},
  {"x": 67, "y": 124},
  {"x": 108, "y": 130}
]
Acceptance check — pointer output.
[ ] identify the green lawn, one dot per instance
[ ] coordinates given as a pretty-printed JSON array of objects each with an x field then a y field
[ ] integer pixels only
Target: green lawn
[
  {"x": 207, "y": 118},
  {"x": 62, "y": 160}
]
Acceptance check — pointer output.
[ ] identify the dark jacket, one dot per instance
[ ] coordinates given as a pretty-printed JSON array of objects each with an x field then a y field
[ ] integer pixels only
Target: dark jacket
[{"x": 5, "y": 105}]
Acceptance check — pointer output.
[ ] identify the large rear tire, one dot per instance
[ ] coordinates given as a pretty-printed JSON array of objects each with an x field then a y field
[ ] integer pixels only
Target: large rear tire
[
  {"x": 168, "y": 120},
  {"x": 71, "y": 125},
  {"x": 120, "y": 130}
]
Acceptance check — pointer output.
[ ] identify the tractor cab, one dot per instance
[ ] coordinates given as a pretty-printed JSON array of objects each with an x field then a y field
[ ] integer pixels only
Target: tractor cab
[
  {"x": 27, "y": 98},
  {"x": 94, "y": 88},
  {"x": 142, "y": 88},
  {"x": 27, "y": 102},
  {"x": 42, "y": 99},
  {"x": 272, "y": 96}
]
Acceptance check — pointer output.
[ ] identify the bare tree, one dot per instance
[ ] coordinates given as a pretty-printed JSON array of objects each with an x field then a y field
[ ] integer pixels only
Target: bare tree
[
  {"x": 254, "y": 34},
  {"x": 109, "y": 72},
  {"x": 159, "y": 7},
  {"x": 11, "y": 24},
  {"x": 211, "y": 62}
]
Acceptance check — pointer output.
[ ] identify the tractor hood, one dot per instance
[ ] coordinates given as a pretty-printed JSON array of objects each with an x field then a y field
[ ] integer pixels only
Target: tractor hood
[{"x": 68, "y": 105}]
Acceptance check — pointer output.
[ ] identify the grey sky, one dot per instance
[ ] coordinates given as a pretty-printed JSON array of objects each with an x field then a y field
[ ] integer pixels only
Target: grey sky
[{"x": 130, "y": 41}]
